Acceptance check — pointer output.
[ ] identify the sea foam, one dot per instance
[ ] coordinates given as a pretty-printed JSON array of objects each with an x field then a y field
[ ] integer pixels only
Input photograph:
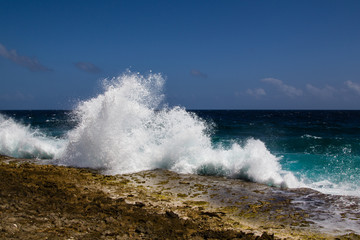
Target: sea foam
[
  {"x": 18, "y": 140},
  {"x": 128, "y": 129}
]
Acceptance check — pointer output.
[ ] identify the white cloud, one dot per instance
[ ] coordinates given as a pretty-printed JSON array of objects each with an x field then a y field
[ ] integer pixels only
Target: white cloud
[
  {"x": 30, "y": 63},
  {"x": 259, "y": 92},
  {"x": 287, "y": 89},
  {"x": 326, "y": 93},
  {"x": 353, "y": 86}
]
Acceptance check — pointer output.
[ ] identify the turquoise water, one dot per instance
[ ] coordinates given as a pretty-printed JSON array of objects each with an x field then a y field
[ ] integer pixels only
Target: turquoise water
[{"x": 321, "y": 148}]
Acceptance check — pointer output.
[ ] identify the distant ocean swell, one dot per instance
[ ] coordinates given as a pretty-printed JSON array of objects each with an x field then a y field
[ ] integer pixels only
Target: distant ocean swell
[{"x": 128, "y": 128}]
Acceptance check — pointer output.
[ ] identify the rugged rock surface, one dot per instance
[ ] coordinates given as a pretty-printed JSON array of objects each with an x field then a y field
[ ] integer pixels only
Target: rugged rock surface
[{"x": 54, "y": 202}]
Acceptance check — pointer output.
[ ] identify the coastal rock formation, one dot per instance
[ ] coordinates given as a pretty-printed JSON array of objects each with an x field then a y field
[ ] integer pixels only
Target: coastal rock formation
[{"x": 39, "y": 201}]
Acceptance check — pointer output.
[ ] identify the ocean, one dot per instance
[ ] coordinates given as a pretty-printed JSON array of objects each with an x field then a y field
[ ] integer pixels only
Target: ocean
[{"x": 128, "y": 128}]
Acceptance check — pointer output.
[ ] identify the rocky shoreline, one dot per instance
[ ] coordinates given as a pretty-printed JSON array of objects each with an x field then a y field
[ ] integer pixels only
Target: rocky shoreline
[{"x": 44, "y": 201}]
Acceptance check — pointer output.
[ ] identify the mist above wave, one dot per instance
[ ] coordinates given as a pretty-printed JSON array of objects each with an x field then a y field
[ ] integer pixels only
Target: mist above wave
[{"x": 127, "y": 129}]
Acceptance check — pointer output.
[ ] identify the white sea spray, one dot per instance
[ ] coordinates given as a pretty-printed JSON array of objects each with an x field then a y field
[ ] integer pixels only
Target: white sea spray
[
  {"x": 18, "y": 140},
  {"x": 127, "y": 129}
]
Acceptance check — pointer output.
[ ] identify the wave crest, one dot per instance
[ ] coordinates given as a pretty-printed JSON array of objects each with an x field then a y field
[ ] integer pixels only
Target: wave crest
[
  {"x": 126, "y": 129},
  {"x": 18, "y": 140}
]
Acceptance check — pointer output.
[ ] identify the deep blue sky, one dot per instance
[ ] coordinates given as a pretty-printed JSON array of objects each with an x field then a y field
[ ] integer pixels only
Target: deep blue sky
[{"x": 214, "y": 54}]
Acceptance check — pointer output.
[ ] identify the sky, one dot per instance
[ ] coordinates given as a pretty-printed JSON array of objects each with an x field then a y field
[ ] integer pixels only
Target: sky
[{"x": 243, "y": 54}]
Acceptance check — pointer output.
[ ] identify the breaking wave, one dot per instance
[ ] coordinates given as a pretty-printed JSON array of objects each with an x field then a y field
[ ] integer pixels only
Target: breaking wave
[
  {"x": 129, "y": 129},
  {"x": 20, "y": 141}
]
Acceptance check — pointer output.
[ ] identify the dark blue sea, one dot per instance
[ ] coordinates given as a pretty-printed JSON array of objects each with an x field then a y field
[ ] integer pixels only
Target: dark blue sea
[{"x": 129, "y": 128}]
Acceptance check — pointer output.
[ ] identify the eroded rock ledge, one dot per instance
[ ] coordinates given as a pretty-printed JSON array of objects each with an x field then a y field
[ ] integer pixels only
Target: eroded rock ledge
[{"x": 54, "y": 202}]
